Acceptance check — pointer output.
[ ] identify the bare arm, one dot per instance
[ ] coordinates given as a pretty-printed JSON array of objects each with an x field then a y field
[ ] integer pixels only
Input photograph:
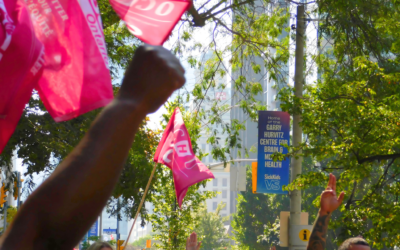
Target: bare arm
[
  {"x": 62, "y": 209},
  {"x": 318, "y": 236},
  {"x": 329, "y": 203},
  {"x": 191, "y": 242}
]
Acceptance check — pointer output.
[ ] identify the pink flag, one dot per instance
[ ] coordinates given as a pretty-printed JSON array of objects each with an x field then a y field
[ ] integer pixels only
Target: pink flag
[
  {"x": 20, "y": 57},
  {"x": 76, "y": 78},
  {"x": 150, "y": 20},
  {"x": 57, "y": 47},
  {"x": 175, "y": 151}
]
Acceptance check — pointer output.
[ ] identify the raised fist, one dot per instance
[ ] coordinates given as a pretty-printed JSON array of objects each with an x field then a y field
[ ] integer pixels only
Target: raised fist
[{"x": 152, "y": 76}]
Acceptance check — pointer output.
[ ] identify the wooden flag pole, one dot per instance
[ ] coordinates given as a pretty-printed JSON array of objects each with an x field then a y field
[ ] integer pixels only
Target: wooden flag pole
[{"x": 141, "y": 202}]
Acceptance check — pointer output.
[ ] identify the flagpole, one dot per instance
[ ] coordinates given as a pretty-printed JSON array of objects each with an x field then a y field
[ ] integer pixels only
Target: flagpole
[
  {"x": 174, "y": 239},
  {"x": 141, "y": 202}
]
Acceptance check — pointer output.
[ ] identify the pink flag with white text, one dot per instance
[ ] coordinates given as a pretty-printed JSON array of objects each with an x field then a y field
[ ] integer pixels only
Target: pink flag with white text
[
  {"x": 76, "y": 78},
  {"x": 56, "y": 47},
  {"x": 151, "y": 21},
  {"x": 175, "y": 151},
  {"x": 20, "y": 53}
]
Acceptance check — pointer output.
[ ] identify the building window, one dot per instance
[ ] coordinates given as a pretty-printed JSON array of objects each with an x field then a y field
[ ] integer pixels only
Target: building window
[
  {"x": 224, "y": 182},
  {"x": 215, "y": 205},
  {"x": 223, "y": 215},
  {"x": 215, "y": 182},
  {"x": 224, "y": 204},
  {"x": 224, "y": 194}
]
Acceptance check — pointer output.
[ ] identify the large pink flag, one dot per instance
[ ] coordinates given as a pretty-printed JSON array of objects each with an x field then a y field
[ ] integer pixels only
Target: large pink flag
[
  {"x": 150, "y": 20},
  {"x": 21, "y": 54},
  {"x": 57, "y": 47},
  {"x": 175, "y": 151},
  {"x": 76, "y": 78}
]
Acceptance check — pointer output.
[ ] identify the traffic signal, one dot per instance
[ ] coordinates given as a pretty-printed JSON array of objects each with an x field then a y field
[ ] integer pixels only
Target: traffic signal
[
  {"x": 16, "y": 188},
  {"x": 119, "y": 245},
  {"x": 3, "y": 195},
  {"x": 148, "y": 243}
]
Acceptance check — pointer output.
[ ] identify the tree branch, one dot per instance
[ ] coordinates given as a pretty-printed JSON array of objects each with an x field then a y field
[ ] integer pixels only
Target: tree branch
[
  {"x": 379, "y": 157},
  {"x": 342, "y": 97},
  {"x": 348, "y": 203},
  {"x": 226, "y": 8},
  {"x": 198, "y": 20},
  {"x": 213, "y": 8}
]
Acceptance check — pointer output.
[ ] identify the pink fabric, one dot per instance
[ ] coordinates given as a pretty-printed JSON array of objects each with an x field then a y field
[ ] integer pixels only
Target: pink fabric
[
  {"x": 21, "y": 55},
  {"x": 57, "y": 47},
  {"x": 76, "y": 78},
  {"x": 175, "y": 151},
  {"x": 150, "y": 20}
]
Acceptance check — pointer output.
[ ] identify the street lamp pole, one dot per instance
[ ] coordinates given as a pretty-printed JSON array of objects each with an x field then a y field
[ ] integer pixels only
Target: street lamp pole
[{"x": 295, "y": 195}]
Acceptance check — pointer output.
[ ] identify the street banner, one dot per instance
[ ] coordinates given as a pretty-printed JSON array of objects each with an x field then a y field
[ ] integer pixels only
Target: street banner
[
  {"x": 109, "y": 231},
  {"x": 175, "y": 151},
  {"x": 93, "y": 229},
  {"x": 152, "y": 21},
  {"x": 273, "y": 133}
]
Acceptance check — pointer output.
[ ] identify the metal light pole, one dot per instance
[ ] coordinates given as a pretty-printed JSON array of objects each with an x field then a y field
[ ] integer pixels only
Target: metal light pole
[
  {"x": 101, "y": 225},
  {"x": 5, "y": 216},
  {"x": 295, "y": 195},
  {"x": 19, "y": 186},
  {"x": 118, "y": 220}
]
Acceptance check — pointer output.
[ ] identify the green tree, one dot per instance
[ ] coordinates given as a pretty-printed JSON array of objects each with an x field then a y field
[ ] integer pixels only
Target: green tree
[
  {"x": 351, "y": 117},
  {"x": 255, "y": 214},
  {"x": 171, "y": 224},
  {"x": 210, "y": 228},
  {"x": 92, "y": 239},
  {"x": 11, "y": 212},
  {"x": 42, "y": 144},
  {"x": 256, "y": 224},
  {"x": 141, "y": 242}
]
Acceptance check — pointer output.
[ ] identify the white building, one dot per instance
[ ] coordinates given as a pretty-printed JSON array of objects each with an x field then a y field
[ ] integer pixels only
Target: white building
[
  {"x": 109, "y": 224},
  {"x": 221, "y": 185},
  {"x": 139, "y": 231}
]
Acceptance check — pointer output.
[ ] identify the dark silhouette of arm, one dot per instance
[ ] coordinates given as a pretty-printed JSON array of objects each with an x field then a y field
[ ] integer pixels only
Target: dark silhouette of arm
[{"x": 62, "y": 209}]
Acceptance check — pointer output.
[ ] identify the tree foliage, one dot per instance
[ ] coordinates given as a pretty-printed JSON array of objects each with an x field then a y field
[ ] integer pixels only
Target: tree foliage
[
  {"x": 256, "y": 224},
  {"x": 257, "y": 213},
  {"x": 42, "y": 144},
  {"x": 210, "y": 228},
  {"x": 351, "y": 116},
  {"x": 11, "y": 212},
  {"x": 171, "y": 224},
  {"x": 141, "y": 242}
]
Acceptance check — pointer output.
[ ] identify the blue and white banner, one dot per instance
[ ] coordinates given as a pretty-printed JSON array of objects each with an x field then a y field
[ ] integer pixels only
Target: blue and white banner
[
  {"x": 273, "y": 133},
  {"x": 93, "y": 229},
  {"x": 109, "y": 231}
]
